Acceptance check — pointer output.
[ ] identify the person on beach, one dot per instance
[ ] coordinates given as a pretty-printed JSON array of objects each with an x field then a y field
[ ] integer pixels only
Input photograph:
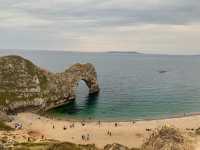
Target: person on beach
[
  {"x": 88, "y": 137},
  {"x": 109, "y": 133},
  {"x": 83, "y": 137},
  {"x": 148, "y": 130},
  {"x": 99, "y": 123},
  {"x": 83, "y": 123},
  {"x": 64, "y": 128},
  {"x": 133, "y": 122},
  {"x": 72, "y": 125},
  {"x": 116, "y": 124},
  {"x": 18, "y": 126},
  {"x": 29, "y": 139}
]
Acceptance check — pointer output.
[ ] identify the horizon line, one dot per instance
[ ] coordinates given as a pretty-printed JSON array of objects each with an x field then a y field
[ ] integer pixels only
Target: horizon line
[{"x": 109, "y": 51}]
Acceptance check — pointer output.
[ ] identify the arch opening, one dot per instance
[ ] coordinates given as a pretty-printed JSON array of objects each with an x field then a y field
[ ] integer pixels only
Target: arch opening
[
  {"x": 85, "y": 86},
  {"x": 81, "y": 89},
  {"x": 82, "y": 72}
]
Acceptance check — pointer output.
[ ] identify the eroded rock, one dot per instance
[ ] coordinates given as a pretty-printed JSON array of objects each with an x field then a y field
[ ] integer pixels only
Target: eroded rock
[
  {"x": 115, "y": 146},
  {"x": 24, "y": 85}
]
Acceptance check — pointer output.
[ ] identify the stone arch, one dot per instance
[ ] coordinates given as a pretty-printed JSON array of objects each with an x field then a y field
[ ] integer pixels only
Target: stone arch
[
  {"x": 86, "y": 73},
  {"x": 40, "y": 88}
]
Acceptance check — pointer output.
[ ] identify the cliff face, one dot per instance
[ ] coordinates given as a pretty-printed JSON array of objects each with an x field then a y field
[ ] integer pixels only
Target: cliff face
[{"x": 23, "y": 84}]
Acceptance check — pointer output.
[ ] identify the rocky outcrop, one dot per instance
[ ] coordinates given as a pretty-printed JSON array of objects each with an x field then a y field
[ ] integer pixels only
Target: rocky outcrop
[
  {"x": 168, "y": 138},
  {"x": 53, "y": 145},
  {"x": 116, "y": 146},
  {"x": 25, "y": 85}
]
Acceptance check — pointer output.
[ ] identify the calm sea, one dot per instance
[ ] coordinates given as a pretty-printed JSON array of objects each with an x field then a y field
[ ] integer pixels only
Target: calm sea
[{"x": 133, "y": 86}]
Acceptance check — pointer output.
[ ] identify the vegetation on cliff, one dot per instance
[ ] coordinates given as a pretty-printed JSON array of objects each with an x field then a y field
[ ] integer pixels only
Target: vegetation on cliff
[
  {"x": 53, "y": 146},
  {"x": 4, "y": 127},
  {"x": 20, "y": 80},
  {"x": 167, "y": 138},
  {"x": 23, "y": 84},
  {"x": 66, "y": 146}
]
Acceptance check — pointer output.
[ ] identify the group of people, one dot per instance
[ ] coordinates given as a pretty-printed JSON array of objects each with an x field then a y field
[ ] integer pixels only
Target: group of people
[
  {"x": 18, "y": 126},
  {"x": 85, "y": 137},
  {"x": 64, "y": 127},
  {"x": 109, "y": 133},
  {"x": 83, "y": 124},
  {"x": 72, "y": 125}
]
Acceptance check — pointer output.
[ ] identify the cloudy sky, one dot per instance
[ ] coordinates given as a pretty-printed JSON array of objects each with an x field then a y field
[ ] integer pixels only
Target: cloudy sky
[{"x": 149, "y": 26}]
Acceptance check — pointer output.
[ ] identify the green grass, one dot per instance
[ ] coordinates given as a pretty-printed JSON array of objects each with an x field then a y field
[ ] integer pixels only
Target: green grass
[
  {"x": 31, "y": 146},
  {"x": 4, "y": 127},
  {"x": 53, "y": 146},
  {"x": 56, "y": 146}
]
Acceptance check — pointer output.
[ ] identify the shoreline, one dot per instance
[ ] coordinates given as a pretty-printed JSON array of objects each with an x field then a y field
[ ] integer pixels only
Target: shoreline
[{"x": 183, "y": 115}]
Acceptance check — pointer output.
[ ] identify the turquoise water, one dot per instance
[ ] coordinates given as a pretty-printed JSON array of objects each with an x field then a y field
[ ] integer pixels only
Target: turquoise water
[{"x": 132, "y": 86}]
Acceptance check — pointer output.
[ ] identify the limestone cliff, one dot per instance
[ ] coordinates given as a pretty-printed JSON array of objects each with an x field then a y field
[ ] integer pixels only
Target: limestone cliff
[{"x": 23, "y": 84}]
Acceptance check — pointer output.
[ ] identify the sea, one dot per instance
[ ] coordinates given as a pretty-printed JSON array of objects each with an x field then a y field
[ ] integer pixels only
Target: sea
[{"x": 133, "y": 86}]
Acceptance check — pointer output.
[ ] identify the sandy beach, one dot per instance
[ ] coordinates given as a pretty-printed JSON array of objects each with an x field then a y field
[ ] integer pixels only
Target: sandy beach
[{"x": 131, "y": 134}]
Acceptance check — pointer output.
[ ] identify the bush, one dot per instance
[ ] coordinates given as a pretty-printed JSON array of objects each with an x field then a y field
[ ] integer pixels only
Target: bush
[
  {"x": 167, "y": 138},
  {"x": 5, "y": 127}
]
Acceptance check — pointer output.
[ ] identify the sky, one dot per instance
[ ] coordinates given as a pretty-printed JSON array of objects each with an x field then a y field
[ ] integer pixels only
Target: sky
[{"x": 147, "y": 26}]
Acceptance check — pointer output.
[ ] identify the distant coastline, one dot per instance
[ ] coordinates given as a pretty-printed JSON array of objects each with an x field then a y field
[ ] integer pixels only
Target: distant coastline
[
  {"x": 124, "y": 52},
  {"x": 33, "y": 50},
  {"x": 18, "y": 51}
]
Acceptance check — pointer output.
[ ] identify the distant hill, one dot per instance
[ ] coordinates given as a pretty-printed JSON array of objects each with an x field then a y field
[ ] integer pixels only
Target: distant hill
[{"x": 124, "y": 52}]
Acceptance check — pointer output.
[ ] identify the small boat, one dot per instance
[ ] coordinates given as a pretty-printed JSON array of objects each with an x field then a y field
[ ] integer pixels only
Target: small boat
[{"x": 162, "y": 71}]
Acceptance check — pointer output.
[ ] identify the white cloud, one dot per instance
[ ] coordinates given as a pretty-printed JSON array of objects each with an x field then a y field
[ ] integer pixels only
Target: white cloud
[{"x": 157, "y": 26}]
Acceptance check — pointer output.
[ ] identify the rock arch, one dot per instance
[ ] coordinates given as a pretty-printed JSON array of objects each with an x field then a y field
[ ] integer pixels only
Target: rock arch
[
  {"x": 84, "y": 72},
  {"x": 23, "y": 84}
]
